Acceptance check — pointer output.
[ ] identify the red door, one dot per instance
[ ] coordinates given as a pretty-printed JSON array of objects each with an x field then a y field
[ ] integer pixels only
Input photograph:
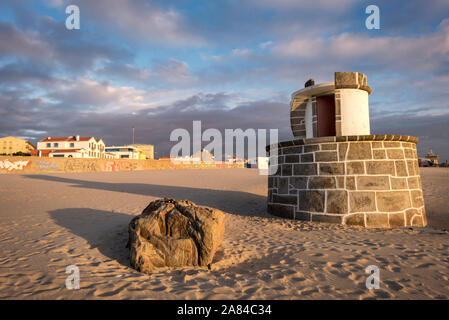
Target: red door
[{"x": 325, "y": 108}]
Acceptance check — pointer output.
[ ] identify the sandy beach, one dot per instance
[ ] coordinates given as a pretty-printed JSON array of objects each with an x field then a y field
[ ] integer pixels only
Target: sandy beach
[{"x": 51, "y": 221}]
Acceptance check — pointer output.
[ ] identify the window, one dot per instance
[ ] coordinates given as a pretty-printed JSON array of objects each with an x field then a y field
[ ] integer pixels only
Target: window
[
  {"x": 48, "y": 145},
  {"x": 55, "y": 144},
  {"x": 72, "y": 145}
]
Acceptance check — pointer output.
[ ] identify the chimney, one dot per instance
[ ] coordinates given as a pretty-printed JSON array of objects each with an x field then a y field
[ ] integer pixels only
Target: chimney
[
  {"x": 48, "y": 138},
  {"x": 77, "y": 137}
]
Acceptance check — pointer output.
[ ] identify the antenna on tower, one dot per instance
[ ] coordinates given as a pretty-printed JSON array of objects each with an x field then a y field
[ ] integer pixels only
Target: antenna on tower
[{"x": 133, "y": 135}]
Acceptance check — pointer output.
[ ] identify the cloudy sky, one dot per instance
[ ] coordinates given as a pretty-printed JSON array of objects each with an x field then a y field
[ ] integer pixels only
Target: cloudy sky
[{"x": 159, "y": 65}]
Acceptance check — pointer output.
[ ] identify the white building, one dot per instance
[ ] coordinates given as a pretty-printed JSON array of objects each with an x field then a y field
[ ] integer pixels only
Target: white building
[
  {"x": 72, "y": 147},
  {"x": 124, "y": 152}
]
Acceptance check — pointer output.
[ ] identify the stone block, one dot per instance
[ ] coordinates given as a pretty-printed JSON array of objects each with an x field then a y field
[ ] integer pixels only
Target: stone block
[
  {"x": 380, "y": 167},
  {"x": 395, "y": 153},
  {"x": 350, "y": 183},
  {"x": 396, "y": 220},
  {"x": 393, "y": 201},
  {"x": 417, "y": 198},
  {"x": 281, "y": 159},
  {"x": 398, "y": 183},
  {"x": 409, "y": 154},
  {"x": 307, "y": 157},
  {"x": 325, "y": 156},
  {"x": 292, "y": 150},
  {"x": 357, "y": 219},
  {"x": 304, "y": 169},
  {"x": 285, "y": 199},
  {"x": 303, "y": 215},
  {"x": 340, "y": 182},
  {"x": 392, "y": 144},
  {"x": 298, "y": 182},
  {"x": 355, "y": 167},
  {"x": 342, "y": 149},
  {"x": 283, "y": 185},
  {"x": 379, "y": 154},
  {"x": 359, "y": 151},
  {"x": 322, "y": 183},
  {"x": 377, "y": 220},
  {"x": 401, "y": 169},
  {"x": 360, "y": 201},
  {"x": 329, "y": 146},
  {"x": 346, "y": 80},
  {"x": 311, "y": 148},
  {"x": 413, "y": 167},
  {"x": 361, "y": 79},
  {"x": 298, "y": 127},
  {"x": 327, "y": 218},
  {"x": 286, "y": 170},
  {"x": 337, "y": 201},
  {"x": 414, "y": 183},
  {"x": 408, "y": 145},
  {"x": 292, "y": 158},
  {"x": 311, "y": 200},
  {"x": 376, "y": 145},
  {"x": 332, "y": 168},
  {"x": 373, "y": 183},
  {"x": 409, "y": 214},
  {"x": 321, "y": 140},
  {"x": 281, "y": 210}
]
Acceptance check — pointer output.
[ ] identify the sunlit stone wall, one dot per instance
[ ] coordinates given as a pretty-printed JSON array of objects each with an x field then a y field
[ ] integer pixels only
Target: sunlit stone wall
[{"x": 370, "y": 181}]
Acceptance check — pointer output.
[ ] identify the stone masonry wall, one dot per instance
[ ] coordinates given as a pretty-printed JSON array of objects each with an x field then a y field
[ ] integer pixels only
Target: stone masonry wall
[{"x": 369, "y": 181}]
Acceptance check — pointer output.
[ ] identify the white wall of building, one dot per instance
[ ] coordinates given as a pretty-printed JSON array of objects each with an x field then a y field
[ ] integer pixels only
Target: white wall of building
[
  {"x": 354, "y": 112},
  {"x": 123, "y": 152},
  {"x": 92, "y": 148}
]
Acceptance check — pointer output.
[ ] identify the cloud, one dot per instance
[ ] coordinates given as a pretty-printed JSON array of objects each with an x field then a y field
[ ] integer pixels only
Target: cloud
[
  {"x": 173, "y": 71},
  {"x": 139, "y": 20},
  {"x": 153, "y": 125},
  {"x": 266, "y": 44},
  {"x": 419, "y": 52},
  {"x": 53, "y": 47},
  {"x": 240, "y": 52},
  {"x": 15, "y": 42}
]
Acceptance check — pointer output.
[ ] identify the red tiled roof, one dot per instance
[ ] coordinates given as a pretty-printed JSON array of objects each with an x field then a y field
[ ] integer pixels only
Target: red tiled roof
[
  {"x": 46, "y": 152},
  {"x": 66, "y": 139},
  {"x": 64, "y": 150}
]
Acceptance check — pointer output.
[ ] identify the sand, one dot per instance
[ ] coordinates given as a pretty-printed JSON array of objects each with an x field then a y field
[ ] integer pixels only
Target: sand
[{"x": 48, "y": 222}]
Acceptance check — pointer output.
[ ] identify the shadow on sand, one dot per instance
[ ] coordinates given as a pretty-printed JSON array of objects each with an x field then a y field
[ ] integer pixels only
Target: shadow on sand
[
  {"x": 234, "y": 202},
  {"x": 107, "y": 230}
]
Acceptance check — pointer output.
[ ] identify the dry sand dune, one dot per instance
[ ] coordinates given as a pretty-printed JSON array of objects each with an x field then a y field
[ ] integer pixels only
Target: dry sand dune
[{"x": 48, "y": 222}]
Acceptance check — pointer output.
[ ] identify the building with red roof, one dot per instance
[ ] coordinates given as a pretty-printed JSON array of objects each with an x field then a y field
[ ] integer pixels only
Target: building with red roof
[{"x": 71, "y": 147}]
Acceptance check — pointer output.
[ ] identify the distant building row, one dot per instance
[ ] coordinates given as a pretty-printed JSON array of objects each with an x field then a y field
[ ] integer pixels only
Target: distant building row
[
  {"x": 431, "y": 160},
  {"x": 75, "y": 147}
]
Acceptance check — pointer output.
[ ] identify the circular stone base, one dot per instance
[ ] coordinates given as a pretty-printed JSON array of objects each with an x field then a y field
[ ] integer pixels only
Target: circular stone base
[{"x": 371, "y": 181}]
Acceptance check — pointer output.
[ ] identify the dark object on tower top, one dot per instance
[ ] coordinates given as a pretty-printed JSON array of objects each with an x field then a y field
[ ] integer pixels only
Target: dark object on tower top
[{"x": 310, "y": 82}]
